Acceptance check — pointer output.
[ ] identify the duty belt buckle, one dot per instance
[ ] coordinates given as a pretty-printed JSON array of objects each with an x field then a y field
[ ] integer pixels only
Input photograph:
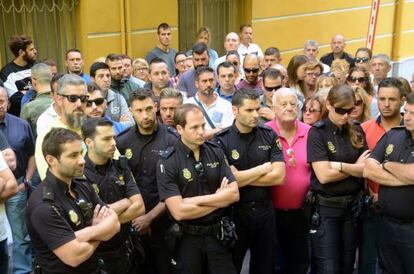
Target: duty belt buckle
[{"x": 253, "y": 205}]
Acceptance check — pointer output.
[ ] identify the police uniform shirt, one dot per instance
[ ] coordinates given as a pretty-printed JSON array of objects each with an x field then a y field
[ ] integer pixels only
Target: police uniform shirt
[
  {"x": 112, "y": 184},
  {"x": 397, "y": 145},
  {"x": 178, "y": 173},
  {"x": 52, "y": 218},
  {"x": 247, "y": 150},
  {"x": 143, "y": 152},
  {"x": 326, "y": 142}
]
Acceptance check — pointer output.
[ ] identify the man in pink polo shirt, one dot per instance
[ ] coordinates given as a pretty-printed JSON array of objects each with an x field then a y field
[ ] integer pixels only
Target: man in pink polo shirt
[
  {"x": 292, "y": 226},
  {"x": 390, "y": 100}
]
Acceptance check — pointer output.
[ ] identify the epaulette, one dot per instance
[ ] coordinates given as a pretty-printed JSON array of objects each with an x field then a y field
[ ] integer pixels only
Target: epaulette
[
  {"x": 213, "y": 144},
  {"x": 173, "y": 131},
  {"x": 48, "y": 195},
  {"x": 125, "y": 130},
  {"x": 223, "y": 131},
  {"x": 263, "y": 126},
  {"x": 319, "y": 124},
  {"x": 167, "y": 153}
]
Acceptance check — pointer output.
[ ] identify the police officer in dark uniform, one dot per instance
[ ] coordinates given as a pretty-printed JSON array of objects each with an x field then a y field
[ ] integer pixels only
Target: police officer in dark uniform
[
  {"x": 115, "y": 185},
  {"x": 66, "y": 219},
  {"x": 392, "y": 165},
  {"x": 337, "y": 153},
  {"x": 196, "y": 183},
  {"x": 256, "y": 158},
  {"x": 142, "y": 146}
]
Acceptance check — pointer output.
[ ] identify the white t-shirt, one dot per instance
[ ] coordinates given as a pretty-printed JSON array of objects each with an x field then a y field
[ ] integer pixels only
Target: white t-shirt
[
  {"x": 220, "y": 112},
  {"x": 3, "y": 229},
  {"x": 252, "y": 48}
]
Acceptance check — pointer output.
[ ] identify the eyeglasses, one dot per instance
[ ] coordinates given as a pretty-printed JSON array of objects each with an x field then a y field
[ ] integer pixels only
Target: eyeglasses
[
  {"x": 291, "y": 154},
  {"x": 142, "y": 68},
  {"x": 74, "y": 98},
  {"x": 359, "y": 79},
  {"x": 86, "y": 210},
  {"x": 272, "y": 89},
  {"x": 311, "y": 74},
  {"x": 97, "y": 102},
  {"x": 310, "y": 110},
  {"x": 358, "y": 102},
  {"x": 253, "y": 70},
  {"x": 199, "y": 168},
  {"x": 343, "y": 111},
  {"x": 361, "y": 59}
]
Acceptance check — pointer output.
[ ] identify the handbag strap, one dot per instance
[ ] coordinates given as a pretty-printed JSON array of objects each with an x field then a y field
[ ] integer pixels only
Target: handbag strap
[{"x": 205, "y": 113}]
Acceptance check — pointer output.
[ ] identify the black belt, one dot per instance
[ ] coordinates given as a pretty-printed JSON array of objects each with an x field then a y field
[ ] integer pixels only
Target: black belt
[
  {"x": 252, "y": 205},
  {"x": 399, "y": 221},
  {"x": 199, "y": 230},
  {"x": 338, "y": 202}
]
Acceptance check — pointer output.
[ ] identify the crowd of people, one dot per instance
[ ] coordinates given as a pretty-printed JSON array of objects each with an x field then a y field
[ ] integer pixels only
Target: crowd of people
[{"x": 181, "y": 162}]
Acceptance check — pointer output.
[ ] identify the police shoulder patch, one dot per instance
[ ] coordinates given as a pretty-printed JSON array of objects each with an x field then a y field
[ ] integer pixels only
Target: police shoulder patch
[
  {"x": 167, "y": 152},
  {"x": 173, "y": 131},
  {"x": 223, "y": 131},
  {"x": 319, "y": 124},
  {"x": 265, "y": 127}
]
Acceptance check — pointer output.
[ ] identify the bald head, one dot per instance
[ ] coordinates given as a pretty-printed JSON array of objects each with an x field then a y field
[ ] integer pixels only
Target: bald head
[
  {"x": 338, "y": 44},
  {"x": 251, "y": 59},
  {"x": 232, "y": 41}
]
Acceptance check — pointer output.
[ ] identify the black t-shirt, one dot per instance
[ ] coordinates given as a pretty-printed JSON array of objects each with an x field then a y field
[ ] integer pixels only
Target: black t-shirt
[
  {"x": 52, "y": 218},
  {"x": 397, "y": 145},
  {"x": 326, "y": 142},
  {"x": 245, "y": 151},
  {"x": 143, "y": 153},
  {"x": 179, "y": 174},
  {"x": 112, "y": 183},
  {"x": 328, "y": 58}
]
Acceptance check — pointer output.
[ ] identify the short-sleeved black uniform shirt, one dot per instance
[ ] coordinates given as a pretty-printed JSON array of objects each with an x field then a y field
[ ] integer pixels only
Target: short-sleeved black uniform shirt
[
  {"x": 179, "y": 174},
  {"x": 112, "y": 183},
  {"x": 326, "y": 142},
  {"x": 52, "y": 218},
  {"x": 397, "y": 145},
  {"x": 247, "y": 150},
  {"x": 143, "y": 153}
]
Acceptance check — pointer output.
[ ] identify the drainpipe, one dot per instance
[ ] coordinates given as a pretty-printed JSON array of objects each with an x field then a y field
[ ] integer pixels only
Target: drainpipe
[
  {"x": 128, "y": 27},
  {"x": 122, "y": 18},
  {"x": 396, "y": 41}
]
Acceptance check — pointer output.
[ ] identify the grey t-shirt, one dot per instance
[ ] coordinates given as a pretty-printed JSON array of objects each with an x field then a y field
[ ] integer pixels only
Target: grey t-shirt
[{"x": 168, "y": 57}]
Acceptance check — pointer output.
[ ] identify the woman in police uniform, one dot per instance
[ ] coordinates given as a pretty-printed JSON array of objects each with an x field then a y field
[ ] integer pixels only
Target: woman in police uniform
[{"x": 337, "y": 152}]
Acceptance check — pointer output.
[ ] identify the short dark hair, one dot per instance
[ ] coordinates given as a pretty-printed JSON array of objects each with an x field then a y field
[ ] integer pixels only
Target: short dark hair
[
  {"x": 244, "y": 26},
  {"x": 242, "y": 94},
  {"x": 156, "y": 60},
  {"x": 113, "y": 57},
  {"x": 92, "y": 87},
  {"x": 72, "y": 50},
  {"x": 49, "y": 62},
  {"x": 90, "y": 125},
  {"x": 201, "y": 70},
  {"x": 19, "y": 42},
  {"x": 233, "y": 52},
  {"x": 199, "y": 48},
  {"x": 55, "y": 139},
  {"x": 410, "y": 98},
  {"x": 367, "y": 50},
  {"x": 97, "y": 66},
  {"x": 392, "y": 82},
  {"x": 181, "y": 113},
  {"x": 225, "y": 64},
  {"x": 271, "y": 73},
  {"x": 162, "y": 26},
  {"x": 140, "y": 95},
  {"x": 126, "y": 56},
  {"x": 272, "y": 51},
  {"x": 54, "y": 80}
]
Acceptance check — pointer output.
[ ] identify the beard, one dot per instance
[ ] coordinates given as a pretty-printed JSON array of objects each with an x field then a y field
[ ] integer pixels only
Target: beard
[
  {"x": 29, "y": 59},
  {"x": 75, "y": 120}
]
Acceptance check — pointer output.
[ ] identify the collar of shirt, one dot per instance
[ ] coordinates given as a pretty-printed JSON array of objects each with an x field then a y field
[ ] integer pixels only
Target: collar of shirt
[
  {"x": 58, "y": 184},
  {"x": 333, "y": 128},
  {"x": 378, "y": 120},
  {"x": 43, "y": 94},
  {"x": 222, "y": 95},
  {"x": 99, "y": 168},
  {"x": 5, "y": 121},
  {"x": 204, "y": 105},
  {"x": 237, "y": 131},
  {"x": 300, "y": 129},
  {"x": 188, "y": 152},
  {"x": 110, "y": 96},
  {"x": 156, "y": 128}
]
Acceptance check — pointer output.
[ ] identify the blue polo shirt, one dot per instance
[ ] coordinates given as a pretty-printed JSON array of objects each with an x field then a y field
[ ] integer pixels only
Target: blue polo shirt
[{"x": 20, "y": 137}]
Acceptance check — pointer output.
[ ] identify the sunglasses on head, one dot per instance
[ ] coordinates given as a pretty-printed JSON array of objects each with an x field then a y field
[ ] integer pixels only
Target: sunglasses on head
[
  {"x": 253, "y": 70},
  {"x": 272, "y": 89},
  {"x": 97, "y": 102},
  {"x": 291, "y": 155},
  {"x": 354, "y": 79},
  {"x": 343, "y": 111},
  {"x": 75, "y": 98},
  {"x": 361, "y": 59}
]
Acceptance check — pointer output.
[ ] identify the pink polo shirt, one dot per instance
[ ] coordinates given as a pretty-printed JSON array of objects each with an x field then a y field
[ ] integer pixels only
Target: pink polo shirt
[{"x": 297, "y": 180}]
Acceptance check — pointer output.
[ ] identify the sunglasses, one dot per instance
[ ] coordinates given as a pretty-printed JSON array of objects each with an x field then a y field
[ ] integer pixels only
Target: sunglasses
[
  {"x": 361, "y": 59},
  {"x": 343, "y": 111},
  {"x": 75, "y": 98},
  {"x": 235, "y": 63},
  {"x": 358, "y": 102},
  {"x": 97, "y": 102},
  {"x": 253, "y": 70},
  {"x": 291, "y": 155},
  {"x": 359, "y": 79},
  {"x": 199, "y": 168},
  {"x": 310, "y": 110},
  {"x": 86, "y": 210},
  {"x": 272, "y": 89}
]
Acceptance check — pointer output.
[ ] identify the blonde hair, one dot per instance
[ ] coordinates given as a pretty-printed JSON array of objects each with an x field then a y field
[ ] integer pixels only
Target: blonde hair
[
  {"x": 340, "y": 65},
  {"x": 139, "y": 63},
  {"x": 366, "y": 114},
  {"x": 323, "y": 78}
]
